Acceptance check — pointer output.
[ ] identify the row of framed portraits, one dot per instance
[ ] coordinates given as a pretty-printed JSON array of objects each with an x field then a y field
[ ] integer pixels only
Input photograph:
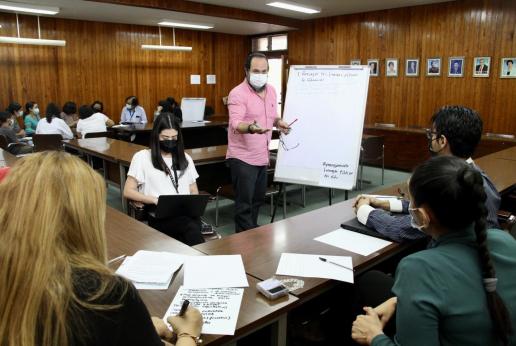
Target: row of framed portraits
[{"x": 456, "y": 66}]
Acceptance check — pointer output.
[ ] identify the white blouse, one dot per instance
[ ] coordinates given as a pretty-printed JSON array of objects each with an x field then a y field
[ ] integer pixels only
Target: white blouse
[
  {"x": 154, "y": 182},
  {"x": 56, "y": 127}
]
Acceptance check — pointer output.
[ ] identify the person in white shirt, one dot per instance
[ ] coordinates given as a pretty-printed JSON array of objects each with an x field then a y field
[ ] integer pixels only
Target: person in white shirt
[
  {"x": 133, "y": 112},
  {"x": 98, "y": 106},
  {"x": 52, "y": 124},
  {"x": 165, "y": 169},
  {"x": 91, "y": 121}
]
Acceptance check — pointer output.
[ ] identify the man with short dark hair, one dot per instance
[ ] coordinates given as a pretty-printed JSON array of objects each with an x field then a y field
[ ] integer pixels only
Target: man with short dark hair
[
  {"x": 252, "y": 114},
  {"x": 456, "y": 131}
]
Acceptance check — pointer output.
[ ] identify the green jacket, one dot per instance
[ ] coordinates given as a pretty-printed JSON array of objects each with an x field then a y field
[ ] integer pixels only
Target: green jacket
[{"x": 441, "y": 296}]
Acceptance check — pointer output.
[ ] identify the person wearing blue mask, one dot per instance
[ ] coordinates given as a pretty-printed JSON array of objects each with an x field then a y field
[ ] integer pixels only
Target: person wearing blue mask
[
  {"x": 165, "y": 169},
  {"x": 31, "y": 118},
  {"x": 132, "y": 112},
  {"x": 456, "y": 131},
  {"x": 462, "y": 290}
]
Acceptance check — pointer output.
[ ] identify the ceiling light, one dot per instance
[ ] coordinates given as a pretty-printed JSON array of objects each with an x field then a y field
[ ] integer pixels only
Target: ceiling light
[
  {"x": 186, "y": 25},
  {"x": 162, "y": 47},
  {"x": 34, "y": 41},
  {"x": 26, "y": 8},
  {"x": 294, "y": 7}
]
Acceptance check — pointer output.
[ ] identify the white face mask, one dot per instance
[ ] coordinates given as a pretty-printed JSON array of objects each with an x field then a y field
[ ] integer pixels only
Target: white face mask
[
  {"x": 35, "y": 111},
  {"x": 129, "y": 107},
  {"x": 258, "y": 80},
  {"x": 413, "y": 219},
  {"x": 156, "y": 113},
  {"x": 20, "y": 113}
]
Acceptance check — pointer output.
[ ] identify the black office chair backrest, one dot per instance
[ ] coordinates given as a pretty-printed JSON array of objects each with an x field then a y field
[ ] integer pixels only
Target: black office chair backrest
[
  {"x": 107, "y": 134},
  {"x": 372, "y": 149},
  {"x": 3, "y": 142},
  {"x": 47, "y": 142}
]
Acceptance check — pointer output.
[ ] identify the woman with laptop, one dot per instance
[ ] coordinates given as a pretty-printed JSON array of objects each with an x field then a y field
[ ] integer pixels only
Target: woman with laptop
[{"x": 165, "y": 169}]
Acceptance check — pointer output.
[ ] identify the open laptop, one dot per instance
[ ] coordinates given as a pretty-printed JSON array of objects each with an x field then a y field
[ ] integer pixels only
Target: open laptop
[
  {"x": 355, "y": 226},
  {"x": 180, "y": 205}
]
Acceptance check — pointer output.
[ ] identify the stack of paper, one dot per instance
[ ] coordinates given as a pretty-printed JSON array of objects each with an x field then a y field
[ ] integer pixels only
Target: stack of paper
[
  {"x": 311, "y": 266},
  {"x": 219, "y": 307},
  {"x": 151, "y": 270}
]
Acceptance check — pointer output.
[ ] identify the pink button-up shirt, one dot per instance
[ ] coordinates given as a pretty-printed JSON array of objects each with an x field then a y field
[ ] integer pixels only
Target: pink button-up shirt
[{"x": 246, "y": 106}]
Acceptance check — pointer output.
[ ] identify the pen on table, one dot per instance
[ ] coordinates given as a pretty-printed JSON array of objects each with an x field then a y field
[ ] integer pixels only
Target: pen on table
[
  {"x": 117, "y": 259},
  {"x": 337, "y": 264},
  {"x": 184, "y": 307},
  {"x": 292, "y": 122}
]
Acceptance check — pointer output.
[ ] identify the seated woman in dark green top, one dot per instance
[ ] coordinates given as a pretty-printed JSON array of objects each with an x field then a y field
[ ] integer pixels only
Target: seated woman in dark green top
[{"x": 462, "y": 291}]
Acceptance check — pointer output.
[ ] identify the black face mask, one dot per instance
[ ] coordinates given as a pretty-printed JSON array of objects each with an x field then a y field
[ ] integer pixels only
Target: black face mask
[{"x": 168, "y": 145}]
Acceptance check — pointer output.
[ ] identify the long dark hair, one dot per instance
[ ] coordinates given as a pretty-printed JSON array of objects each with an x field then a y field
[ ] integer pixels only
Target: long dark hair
[
  {"x": 28, "y": 107},
  {"x": 166, "y": 121},
  {"x": 13, "y": 107},
  {"x": 455, "y": 193},
  {"x": 51, "y": 111}
]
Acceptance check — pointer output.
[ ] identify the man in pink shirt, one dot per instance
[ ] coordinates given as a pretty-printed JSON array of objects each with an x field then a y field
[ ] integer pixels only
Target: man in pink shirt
[{"x": 252, "y": 114}]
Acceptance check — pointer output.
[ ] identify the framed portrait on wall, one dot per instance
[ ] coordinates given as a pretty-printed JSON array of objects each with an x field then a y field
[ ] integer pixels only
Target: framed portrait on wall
[
  {"x": 374, "y": 67},
  {"x": 391, "y": 69},
  {"x": 507, "y": 68},
  {"x": 412, "y": 67},
  {"x": 355, "y": 62},
  {"x": 481, "y": 66},
  {"x": 456, "y": 66},
  {"x": 433, "y": 67}
]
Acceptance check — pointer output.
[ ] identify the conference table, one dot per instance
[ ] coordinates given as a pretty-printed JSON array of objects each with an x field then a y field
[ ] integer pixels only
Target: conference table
[
  {"x": 261, "y": 248},
  {"x": 507, "y": 154},
  {"x": 196, "y": 134},
  {"x": 125, "y": 236}
]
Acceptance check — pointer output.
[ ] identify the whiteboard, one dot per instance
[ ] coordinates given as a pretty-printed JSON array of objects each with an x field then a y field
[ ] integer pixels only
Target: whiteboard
[
  {"x": 323, "y": 147},
  {"x": 193, "y": 108}
]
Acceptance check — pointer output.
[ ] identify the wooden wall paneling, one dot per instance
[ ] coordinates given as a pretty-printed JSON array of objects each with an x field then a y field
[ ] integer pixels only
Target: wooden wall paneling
[
  {"x": 104, "y": 61},
  {"x": 466, "y": 28}
]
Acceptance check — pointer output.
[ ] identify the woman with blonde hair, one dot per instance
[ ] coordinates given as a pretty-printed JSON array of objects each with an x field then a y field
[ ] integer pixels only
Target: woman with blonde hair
[{"x": 56, "y": 286}]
